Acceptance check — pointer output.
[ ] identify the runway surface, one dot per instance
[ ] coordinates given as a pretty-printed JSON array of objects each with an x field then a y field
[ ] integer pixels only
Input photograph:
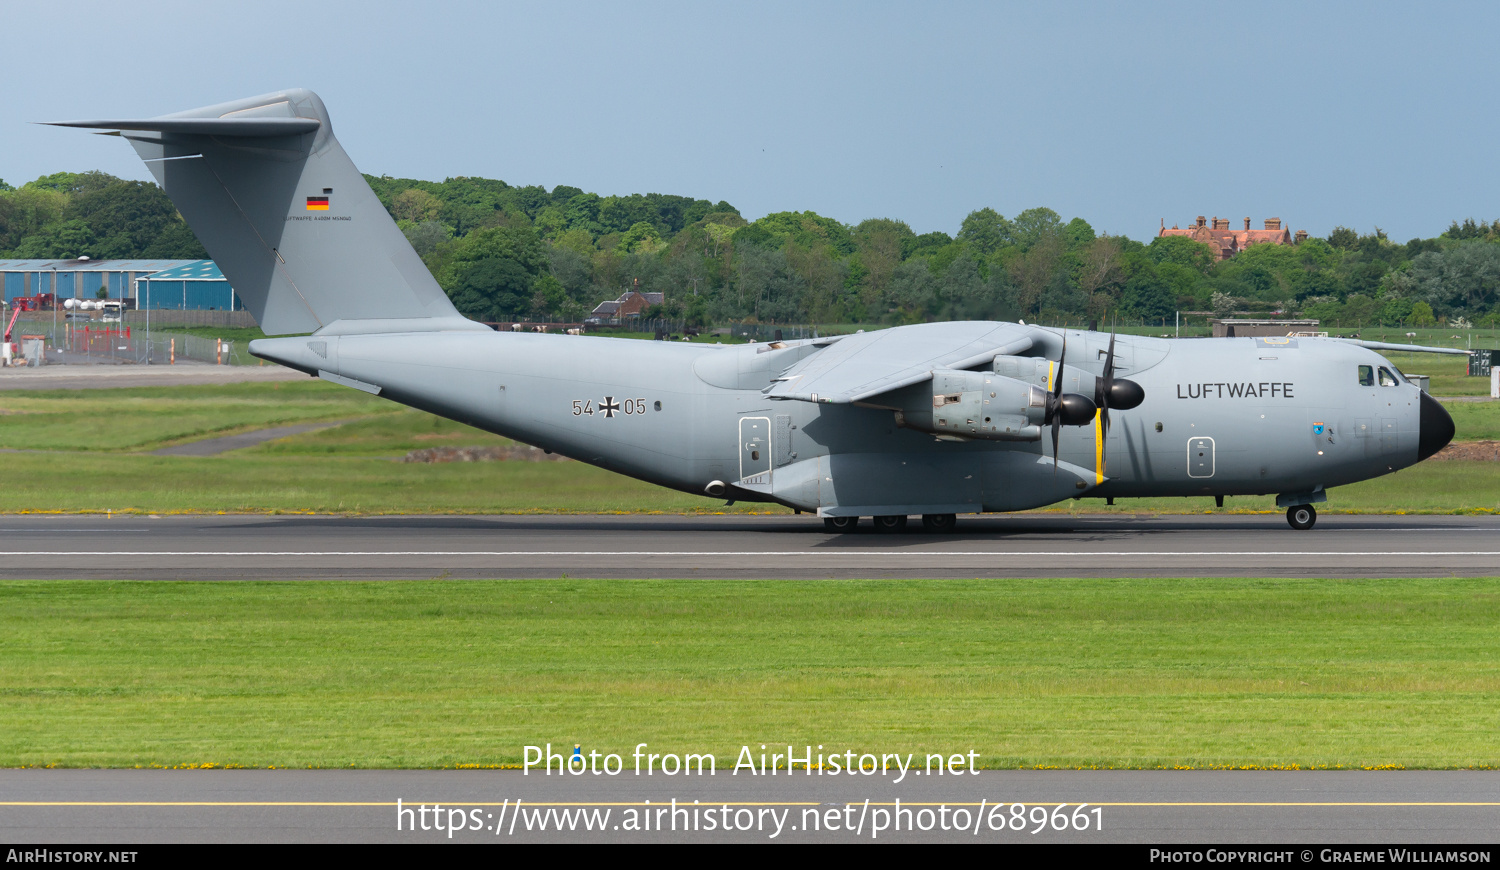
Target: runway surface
[
  {"x": 730, "y": 546},
  {"x": 1298, "y": 807}
]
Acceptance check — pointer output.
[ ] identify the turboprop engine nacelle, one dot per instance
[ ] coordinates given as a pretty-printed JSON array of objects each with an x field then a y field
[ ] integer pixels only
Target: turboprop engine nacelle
[
  {"x": 978, "y": 405},
  {"x": 1123, "y": 394}
]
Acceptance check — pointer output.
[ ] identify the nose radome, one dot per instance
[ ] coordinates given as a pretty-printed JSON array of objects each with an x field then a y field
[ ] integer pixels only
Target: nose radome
[{"x": 1436, "y": 428}]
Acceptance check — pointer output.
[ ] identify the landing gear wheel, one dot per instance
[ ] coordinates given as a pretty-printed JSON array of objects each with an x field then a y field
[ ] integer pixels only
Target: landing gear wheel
[
  {"x": 1301, "y": 516},
  {"x": 939, "y": 523},
  {"x": 840, "y": 524},
  {"x": 890, "y": 523}
]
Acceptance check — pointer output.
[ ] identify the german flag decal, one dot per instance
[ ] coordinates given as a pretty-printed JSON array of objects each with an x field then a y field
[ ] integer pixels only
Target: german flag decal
[{"x": 317, "y": 203}]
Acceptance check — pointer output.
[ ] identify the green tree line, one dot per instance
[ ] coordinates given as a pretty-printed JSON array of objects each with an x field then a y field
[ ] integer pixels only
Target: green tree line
[
  {"x": 507, "y": 252},
  {"x": 92, "y": 214}
]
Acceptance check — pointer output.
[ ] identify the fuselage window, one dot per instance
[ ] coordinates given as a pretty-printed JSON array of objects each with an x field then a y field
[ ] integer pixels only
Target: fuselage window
[
  {"x": 1386, "y": 378},
  {"x": 1367, "y": 376}
]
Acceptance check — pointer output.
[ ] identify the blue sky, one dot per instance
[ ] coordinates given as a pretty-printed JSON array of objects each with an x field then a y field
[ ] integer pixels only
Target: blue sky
[{"x": 1362, "y": 114}]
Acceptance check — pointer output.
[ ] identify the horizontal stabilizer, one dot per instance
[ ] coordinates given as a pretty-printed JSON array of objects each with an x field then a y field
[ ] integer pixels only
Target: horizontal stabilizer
[{"x": 248, "y": 127}]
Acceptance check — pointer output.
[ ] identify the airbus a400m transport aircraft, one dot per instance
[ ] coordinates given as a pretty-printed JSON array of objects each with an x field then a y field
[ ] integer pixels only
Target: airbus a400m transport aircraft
[{"x": 933, "y": 420}]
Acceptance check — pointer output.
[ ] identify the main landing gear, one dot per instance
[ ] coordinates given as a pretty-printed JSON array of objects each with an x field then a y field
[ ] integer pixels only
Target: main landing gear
[
  {"x": 1301, "y": 516},
  {"x": 939, "y": 523},
  {"x": 935, "y": 523}
]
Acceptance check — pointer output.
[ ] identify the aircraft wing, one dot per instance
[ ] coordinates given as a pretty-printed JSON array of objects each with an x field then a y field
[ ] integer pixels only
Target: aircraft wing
[
  {"x": 1411, "y": 348},
  {"x": 870, "y": 363}
]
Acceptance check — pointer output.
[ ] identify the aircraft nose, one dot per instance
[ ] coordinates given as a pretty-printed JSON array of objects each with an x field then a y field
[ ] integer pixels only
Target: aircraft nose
[{"x": 1436, "y": 428}]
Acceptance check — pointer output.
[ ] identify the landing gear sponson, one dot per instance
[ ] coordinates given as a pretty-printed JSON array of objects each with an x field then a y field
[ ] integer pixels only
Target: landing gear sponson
[{"x": 937, "y": 523}]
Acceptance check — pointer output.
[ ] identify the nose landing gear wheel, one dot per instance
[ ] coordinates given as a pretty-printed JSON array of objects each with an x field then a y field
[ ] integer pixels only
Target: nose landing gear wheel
[
  {"x": 840, "y": 524},
  {"x": 939, "y": 523},
  {"x": 1301, "y": 516},
  {"x": 890, "y": 524}
]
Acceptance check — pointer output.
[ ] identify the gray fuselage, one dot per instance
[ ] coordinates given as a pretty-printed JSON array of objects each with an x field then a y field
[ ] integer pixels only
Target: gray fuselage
[{"x": 1220, "y": 417}]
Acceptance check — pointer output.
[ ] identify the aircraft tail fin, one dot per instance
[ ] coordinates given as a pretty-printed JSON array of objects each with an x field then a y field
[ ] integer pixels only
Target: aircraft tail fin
[{"x": 288, "y": 218}]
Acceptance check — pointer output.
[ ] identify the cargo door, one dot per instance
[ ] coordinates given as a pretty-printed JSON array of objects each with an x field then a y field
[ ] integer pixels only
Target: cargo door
[
  {"x": 755, "y": 450},
  {"x": 1200, "y": 457}
]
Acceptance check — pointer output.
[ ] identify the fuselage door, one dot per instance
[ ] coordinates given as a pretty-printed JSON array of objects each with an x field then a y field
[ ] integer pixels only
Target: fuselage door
[
  {"x": 782, "y": 447},
  {"x": 1364, "y": 435},
  {"x": 755, "y": 450},
  {"x": 1200, "y": 457},
  {"x": 1390, "y": 435}
]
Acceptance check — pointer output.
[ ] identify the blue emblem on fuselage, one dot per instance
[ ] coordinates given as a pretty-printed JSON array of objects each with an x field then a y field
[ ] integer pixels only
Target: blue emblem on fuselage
[{"x": 1317, "y": 428}]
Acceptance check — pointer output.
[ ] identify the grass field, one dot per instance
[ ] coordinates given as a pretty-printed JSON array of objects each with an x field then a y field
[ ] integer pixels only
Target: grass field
[
  {"x": 1072, "y": 673},
  {"x": 241, "y": 336},
  {"x": 144, "y": 418},
  {"x": 1449, "y": 373},
  {"x": 88, "y": 450}
]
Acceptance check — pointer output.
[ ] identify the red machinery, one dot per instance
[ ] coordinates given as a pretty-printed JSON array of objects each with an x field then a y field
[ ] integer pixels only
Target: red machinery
[
  {"x": 8, "y": 350},
  {"x": 34, "y": 303}
]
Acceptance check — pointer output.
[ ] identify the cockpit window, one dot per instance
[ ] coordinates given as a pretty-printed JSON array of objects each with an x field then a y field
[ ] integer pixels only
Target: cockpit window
[
  {"x": 1386, "y": 378},
  {"x": 1367, "y": 376}
]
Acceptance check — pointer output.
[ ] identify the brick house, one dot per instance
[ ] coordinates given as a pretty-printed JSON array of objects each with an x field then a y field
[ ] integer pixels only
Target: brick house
[
  {"x": 1227, "y": 242},
  {"x": 630, "y": 304}
]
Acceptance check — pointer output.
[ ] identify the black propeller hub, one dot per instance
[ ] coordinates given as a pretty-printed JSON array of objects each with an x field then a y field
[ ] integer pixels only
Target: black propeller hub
[
  {"x": 1125, "y": 394},
  {"x": 1075, "y": 410}
]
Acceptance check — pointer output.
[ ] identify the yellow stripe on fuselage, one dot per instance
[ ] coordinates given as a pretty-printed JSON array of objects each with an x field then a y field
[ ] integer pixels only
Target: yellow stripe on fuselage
[{"x": 1098, "y": 449}]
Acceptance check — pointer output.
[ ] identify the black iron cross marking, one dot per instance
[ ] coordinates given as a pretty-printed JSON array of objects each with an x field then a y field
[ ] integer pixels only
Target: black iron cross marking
[{"x": 609, "y": 406}]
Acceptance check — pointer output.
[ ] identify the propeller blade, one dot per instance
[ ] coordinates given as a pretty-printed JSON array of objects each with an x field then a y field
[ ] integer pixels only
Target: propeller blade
[
  {"x": 1056, "y": 428},
  {"x": 1055, "y": 403},
  {"x": 1106, "y": 384},
  {"x": 1102, "y": 387},
  {"x": 1058, "y": 377}
]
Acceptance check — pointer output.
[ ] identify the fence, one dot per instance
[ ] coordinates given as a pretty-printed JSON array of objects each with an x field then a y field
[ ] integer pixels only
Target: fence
[
  {"x": 753, "y": 331},
  {"x": 168, "y": 317},
  {"x": 768, "y": 331},
  {"x": 99, "y": 343}
]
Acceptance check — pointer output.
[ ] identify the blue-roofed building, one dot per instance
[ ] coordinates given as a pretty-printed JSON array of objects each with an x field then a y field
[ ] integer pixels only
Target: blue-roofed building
[
  {"x": 192, "y": 286},
  {"x": 68, "y": 279},
  {"x": 167, "y": 284}
]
